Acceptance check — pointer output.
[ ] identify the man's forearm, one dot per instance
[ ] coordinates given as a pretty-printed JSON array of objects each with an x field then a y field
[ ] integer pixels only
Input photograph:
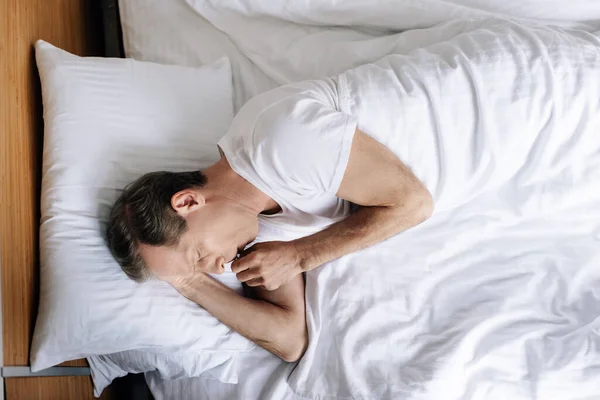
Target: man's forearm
[
  {"x": 364, "y": 228},
  {"x": 264, "y": 323}
]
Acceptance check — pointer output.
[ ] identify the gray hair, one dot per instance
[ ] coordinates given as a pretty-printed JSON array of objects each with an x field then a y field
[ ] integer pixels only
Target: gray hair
[{"x": 143, "y": 215}]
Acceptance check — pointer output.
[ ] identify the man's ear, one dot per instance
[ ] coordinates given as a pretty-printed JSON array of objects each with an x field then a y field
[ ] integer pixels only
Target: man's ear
[{"x": 187, "y": 201}]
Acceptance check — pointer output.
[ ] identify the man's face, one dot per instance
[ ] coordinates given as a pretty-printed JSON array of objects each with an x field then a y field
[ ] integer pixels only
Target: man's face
[{"x": 214, "y": 236}]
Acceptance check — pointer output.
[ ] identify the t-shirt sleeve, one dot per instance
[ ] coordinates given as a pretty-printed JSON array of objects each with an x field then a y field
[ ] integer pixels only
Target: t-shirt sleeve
[{"x": 303, "y": 142}]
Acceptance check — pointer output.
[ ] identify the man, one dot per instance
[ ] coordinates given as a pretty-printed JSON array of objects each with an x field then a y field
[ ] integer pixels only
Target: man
[{"x": 294, "y": 159}]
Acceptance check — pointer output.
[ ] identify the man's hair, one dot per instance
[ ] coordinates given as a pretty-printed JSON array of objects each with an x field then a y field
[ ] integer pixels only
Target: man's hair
[{"x": 143, "y": 215}]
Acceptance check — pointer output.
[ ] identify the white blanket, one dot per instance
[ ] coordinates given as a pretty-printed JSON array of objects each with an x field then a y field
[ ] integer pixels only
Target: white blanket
[
  {"x": 294, "y": 40},
  {"x": 497, "y": 296},
  {"x": 498, "y": 104},
  {"x": 503, "y": 122}
]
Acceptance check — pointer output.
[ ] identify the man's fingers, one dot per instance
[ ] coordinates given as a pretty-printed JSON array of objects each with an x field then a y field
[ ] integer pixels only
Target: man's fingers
[
  {"x": 247, "y": 275},
  {"x": 237, "y": 266},
  {"x": 246, "y": 261},
  {"x": 249, "y": 250},
  {"x": 241, "y": 264},
  {"x": 261, "y": 282},
  {"x": 255, "y": 282}
]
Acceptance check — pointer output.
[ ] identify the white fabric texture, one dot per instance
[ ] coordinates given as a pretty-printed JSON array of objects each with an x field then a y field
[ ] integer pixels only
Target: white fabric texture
[
  {"x": 170, "y": 32},
  {"x": 293, "y": 144},
  {"x": 502, "y": 103},
  {"x": 212, "y": 365},
  {"x": 500, "y": 109},
  {"x": 107, "y": 122},
  {"x": 494, "y": 298},
  {"x": 106, "y": 368},
  {"x": 296, "y": 40},
  {"x": 263, "y": 376}
]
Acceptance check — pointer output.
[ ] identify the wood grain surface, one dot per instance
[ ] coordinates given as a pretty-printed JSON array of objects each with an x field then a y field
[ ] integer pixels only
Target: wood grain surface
[
  {"x": 52, "y": 388},
  {"x": 67, "y": 24},
  {"x": 75, "y": 363}
]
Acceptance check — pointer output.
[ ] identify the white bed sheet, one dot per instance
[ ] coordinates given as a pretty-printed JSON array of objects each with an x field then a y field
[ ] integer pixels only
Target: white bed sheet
[
  {"x": 171, "y": 32},
  {"x": 262, "y": 376},
  {"x": 493, "y": 300}
]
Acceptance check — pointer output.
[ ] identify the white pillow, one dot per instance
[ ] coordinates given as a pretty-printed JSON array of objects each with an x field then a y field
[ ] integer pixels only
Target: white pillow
[
  {"x": 106, "y": 368},
  {"x": 218, "y": 365},
  {"x": 107, "y": 122}
]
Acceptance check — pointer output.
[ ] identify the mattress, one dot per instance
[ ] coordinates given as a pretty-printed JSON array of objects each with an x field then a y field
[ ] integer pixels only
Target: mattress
[{"x": 491, "y": 300}]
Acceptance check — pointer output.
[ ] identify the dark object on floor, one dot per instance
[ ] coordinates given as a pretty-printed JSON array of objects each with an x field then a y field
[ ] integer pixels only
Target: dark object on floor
[{"x": 131, "y": 387}]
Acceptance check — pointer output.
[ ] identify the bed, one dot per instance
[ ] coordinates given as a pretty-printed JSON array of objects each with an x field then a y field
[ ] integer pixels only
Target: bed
[{"x": 465, "y": 314}]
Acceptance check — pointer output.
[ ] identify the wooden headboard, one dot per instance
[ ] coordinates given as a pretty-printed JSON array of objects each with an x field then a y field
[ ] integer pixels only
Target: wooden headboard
[{"x": 76, "y": 26}]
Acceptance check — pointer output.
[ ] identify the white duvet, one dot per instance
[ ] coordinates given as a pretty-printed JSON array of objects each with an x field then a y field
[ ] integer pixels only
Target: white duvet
[
  {"x": 502, "y": 123},
  {"x": 497, "y": 296}
]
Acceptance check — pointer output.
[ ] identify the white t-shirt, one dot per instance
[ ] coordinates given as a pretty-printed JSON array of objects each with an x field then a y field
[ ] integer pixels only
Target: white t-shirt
[
  {"x": 465, "y": 121},
  {"x": 293, "y": 143}
]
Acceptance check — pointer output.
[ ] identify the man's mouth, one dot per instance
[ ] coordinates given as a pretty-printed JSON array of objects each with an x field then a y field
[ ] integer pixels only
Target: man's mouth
[
  {"x": 238, "y": 255},
  {"x": 240, "y": 251}
]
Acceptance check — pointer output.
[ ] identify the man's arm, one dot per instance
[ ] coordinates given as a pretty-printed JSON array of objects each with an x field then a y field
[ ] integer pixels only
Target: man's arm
[
  {"x": 274, "y": 320},
  {"x": 392, "y": 200}
]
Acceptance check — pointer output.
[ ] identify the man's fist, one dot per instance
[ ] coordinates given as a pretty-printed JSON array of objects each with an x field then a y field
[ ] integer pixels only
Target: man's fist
[{"x": 268, "y": 264}]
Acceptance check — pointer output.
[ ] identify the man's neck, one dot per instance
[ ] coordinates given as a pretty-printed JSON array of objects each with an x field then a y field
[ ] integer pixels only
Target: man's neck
[{"x": 224, "y": 183}]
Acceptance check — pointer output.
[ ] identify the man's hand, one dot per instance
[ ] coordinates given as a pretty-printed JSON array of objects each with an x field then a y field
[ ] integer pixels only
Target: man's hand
[
  {"x": 269, "y": 264},
  {"x": 390, "y": 201}
]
